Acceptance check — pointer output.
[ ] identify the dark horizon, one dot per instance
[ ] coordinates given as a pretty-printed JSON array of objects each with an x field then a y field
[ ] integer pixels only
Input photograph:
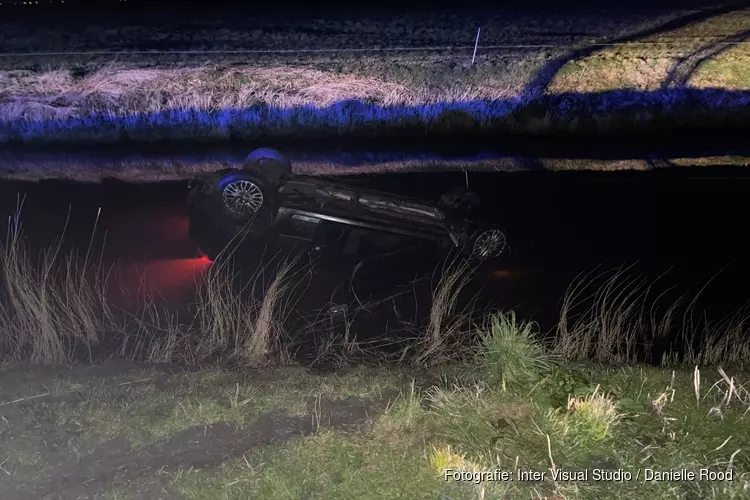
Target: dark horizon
[{"x": 294, "y": 7}]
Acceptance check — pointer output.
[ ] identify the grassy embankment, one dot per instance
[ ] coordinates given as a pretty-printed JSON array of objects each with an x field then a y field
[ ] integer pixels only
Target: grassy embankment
[
  {"x": 662, "y": 72},
  {"x": 216, "y": 407},
  {"x": 85, "y": 167}
]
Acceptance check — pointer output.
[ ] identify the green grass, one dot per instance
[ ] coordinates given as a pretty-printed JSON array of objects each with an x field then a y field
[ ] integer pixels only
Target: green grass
[
  {"x": 476, "y": 428},
  {"x": 568, "y": 418},
  {"x": 331, "y": 465},
  {"x": 510, "y": 352},
  {"x": 150, "y": 410}
]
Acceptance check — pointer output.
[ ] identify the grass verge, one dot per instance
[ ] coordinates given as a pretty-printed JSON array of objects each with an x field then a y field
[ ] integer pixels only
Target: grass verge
[{"x": 286, "y": 432}]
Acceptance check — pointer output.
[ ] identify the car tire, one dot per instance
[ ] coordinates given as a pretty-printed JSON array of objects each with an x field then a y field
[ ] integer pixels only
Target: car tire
[
  {"x": 243, "y": 195},
  {"x": 246, "y": 193},
  {"x": 255, "y": 215},
  {"x": 459, "y": 199},
  {"x": 487, "y": 243},
  {"x": 270, "y": 165}
]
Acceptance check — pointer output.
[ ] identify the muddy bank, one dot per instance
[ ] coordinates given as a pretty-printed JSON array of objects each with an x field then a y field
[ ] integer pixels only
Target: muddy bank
[{"x": 55, "y": 455}]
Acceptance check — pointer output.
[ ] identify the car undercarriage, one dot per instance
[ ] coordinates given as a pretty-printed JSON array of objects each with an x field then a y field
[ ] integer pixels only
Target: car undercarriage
[{"x": 266, "y": 201}]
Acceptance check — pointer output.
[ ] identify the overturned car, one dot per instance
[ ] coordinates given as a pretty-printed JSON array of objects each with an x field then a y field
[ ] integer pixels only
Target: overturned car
[{"x": 265, "y": 201}]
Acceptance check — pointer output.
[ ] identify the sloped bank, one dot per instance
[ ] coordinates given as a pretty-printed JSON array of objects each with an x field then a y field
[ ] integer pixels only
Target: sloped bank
[
  {"x": 684, "y": 115},
  {"x": 141, "y": 165}
]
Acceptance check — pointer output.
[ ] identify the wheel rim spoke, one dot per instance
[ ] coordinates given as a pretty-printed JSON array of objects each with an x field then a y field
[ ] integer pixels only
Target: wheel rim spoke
[
  {"x": 489, "y": 243},
  {"x": 242, "y": 197}
]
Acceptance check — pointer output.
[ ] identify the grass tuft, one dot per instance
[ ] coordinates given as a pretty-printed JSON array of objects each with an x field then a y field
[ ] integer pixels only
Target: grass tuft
[
  {"x": 594, "y": 415},
  {"x": 52, "y": 306},
  {"x": 613, "y": 317},
  {"x": 610, "y": 326},
  {"x": 510, "y": 352},
  {"x": 442, "y": 458},
  {"x": 403, "y": 416},
  {"x": 265, "y": 339},
  {"x": 447, "y": 323}
]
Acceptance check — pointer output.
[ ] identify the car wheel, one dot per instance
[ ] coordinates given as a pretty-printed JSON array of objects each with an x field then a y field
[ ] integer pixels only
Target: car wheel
[
  {"x": 270, "y": 164},
  {"x": 242, "y": 196},
  {"x": 489, "y": 243},
  {"x": 460, "y": 199}
]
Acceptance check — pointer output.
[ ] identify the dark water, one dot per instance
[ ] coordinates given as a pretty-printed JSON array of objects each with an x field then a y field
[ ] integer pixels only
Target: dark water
[{"x": 690, "y": 224}]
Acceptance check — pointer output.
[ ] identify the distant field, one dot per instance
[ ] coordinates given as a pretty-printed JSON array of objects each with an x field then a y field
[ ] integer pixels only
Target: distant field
[{"x": 534, "y": 73}]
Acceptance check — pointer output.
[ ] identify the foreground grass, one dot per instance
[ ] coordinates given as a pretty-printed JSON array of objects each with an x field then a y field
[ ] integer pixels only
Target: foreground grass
[
  {"x": 158, "y": 408},
  {"x": 572, "y": 418},
  {"x": 238, "y": 419},
  {"x": 693, "y": 74}
]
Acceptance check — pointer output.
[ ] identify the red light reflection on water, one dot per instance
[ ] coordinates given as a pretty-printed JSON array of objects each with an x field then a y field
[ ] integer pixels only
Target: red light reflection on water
[
  {"x": 504, "y": 274},
  {"x": 173, "y": 280}
]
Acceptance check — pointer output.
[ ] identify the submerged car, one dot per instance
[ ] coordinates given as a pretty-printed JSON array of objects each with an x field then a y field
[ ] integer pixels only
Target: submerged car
[{"x": 265, "y": 201}]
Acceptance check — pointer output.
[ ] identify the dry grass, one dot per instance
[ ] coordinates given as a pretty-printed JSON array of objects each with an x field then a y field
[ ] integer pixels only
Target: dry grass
[
  {"x": 446, "y": 324},
  {"x": 55, "y": 309},
  {"x": 50, "y": 306},
  {"x": 224, "y": 314},
  {"x": 232, "y": 321},
  {"x": 611, "y": 326},
  {"x": 285, "y": 95},
  {"x": 87, "y": 168},
  {"x": 126, "y": 91},
  {"x": 612, "y": 318},
  {"x": 167, "y": 338},
  {"x": 253, "y": 103},
  {"x": 722, "y": 341},
  {"x": 266, "y": 337}
]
